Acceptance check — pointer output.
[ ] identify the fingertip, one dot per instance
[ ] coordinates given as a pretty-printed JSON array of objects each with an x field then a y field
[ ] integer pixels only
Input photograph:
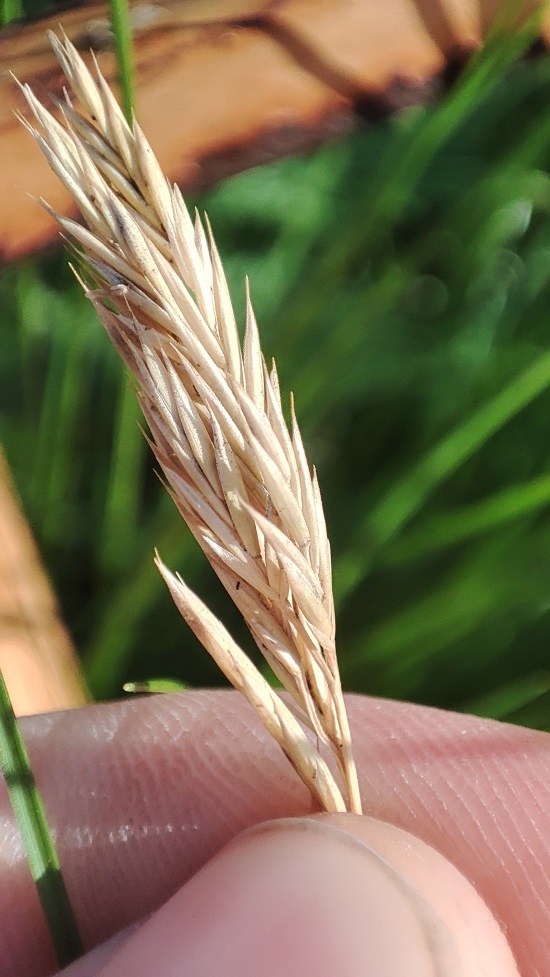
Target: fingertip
[
  {"x": 469, "y": 939},
  {"x": 321, "y": 896}
]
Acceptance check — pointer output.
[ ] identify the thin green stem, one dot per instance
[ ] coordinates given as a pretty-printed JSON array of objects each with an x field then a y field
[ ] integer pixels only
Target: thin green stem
[
  {"x": 39, "y": 847},
  {"x": 122, "y": 32}
]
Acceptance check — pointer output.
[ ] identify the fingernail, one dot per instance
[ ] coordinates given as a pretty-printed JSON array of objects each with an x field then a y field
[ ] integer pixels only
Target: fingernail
[{"x": 295, "y": 898}]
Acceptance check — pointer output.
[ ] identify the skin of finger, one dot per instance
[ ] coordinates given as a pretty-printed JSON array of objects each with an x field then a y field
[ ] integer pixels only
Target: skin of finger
[
  {"x": 143, "y": 793},
  {"x": 92, "y": 963},
  {"x": 478, "y": 942},
  {"x": 333, "y": 895}
]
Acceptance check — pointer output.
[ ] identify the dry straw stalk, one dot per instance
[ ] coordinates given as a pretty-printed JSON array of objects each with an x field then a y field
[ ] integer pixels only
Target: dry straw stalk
[{"x": 238, "y": 476}]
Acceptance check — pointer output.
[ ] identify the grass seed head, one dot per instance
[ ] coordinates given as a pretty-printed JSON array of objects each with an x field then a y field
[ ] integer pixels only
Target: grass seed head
[{"x": 238, "y": 477}]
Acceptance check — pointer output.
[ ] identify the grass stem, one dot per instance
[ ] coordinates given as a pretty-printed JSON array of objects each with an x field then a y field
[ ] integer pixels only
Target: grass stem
[
  {"x": 122, "y": 32},
  {"x": 37, "y": 839}
]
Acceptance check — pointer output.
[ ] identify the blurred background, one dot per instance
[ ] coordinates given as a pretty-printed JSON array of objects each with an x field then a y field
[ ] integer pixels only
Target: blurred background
[{"x": 401, "y": 279}]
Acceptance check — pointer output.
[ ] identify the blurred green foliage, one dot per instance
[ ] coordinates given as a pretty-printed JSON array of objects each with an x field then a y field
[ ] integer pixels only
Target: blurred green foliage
[{"x": 402, "y": 280}]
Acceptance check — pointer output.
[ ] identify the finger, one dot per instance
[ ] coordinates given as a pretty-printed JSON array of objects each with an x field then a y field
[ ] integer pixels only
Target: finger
[
  {"x": 143, "y": 793},
  {"x": 479, "y": 792},
  {"x": 140, "y": 794},
  {"x": 93, "y": 962},
  {"x": 310, "y": 896}
]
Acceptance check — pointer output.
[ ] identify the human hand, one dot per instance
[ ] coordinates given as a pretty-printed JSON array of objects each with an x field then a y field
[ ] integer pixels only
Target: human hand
[{"x": 144, "y": 793}]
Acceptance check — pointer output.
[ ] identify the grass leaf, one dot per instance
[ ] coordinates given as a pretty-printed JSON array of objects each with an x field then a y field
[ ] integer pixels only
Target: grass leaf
[{"x": 37, "y": 839}]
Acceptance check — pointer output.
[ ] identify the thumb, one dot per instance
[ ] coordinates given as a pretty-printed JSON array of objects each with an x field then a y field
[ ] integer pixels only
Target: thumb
[{"x": 333, "y": 894}]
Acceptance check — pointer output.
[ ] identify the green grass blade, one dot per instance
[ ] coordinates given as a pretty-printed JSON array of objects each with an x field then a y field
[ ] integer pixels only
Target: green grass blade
[
  {"x": 40, "y": 851},
  {"x": 409, "y": 154},
  {"x": 155, "y": 686},
  {"x": 533, "y": 714},
  {"x": 10, "y": 10},
  {"x": 106, "y": 659},
  {"x": 407, "y": 496},
  {"x": 506, "y": 700},
  {"x": 409, "y": 639},
  {"x": 493, "y": 513},
  {"x": 125, "y": 484},
  {"x": 122, "y": 31}
]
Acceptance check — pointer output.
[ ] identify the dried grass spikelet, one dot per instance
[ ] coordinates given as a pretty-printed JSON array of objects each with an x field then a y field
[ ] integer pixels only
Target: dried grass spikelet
[{"x": 239, "y": 478}]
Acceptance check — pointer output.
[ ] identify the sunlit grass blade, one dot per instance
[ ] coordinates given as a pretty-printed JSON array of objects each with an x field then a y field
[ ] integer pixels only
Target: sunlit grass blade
[
  {"x": 409, "y": 154},
  {"x": 407, "y": 496},
  {"x": 394, "y": 187},
  {"x": 534, "y": 713},
  {"x": 10, "y": 10},
  {"x": 506, "y": 701},
  {"x": 105, "y": 659},
  {"x": 455, "y": 607},
  {"x": 37, "y": 839},
  {"x": 124, "y": 487},
  {"x": 122, "y": 31},
  {"x": 155, "y": 686},
  {"x": 442, "y": 531}
]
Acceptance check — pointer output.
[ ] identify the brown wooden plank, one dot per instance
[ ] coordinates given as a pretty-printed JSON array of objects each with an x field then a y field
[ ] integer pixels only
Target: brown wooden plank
[
  {"x": 37, "y": 658},
  {"x": 226, "y": 84}
]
